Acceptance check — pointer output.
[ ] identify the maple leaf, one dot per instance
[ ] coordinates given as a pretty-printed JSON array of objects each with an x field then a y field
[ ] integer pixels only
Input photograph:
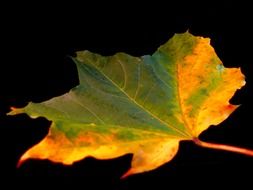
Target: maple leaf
[{"x": 141, "y": 105}]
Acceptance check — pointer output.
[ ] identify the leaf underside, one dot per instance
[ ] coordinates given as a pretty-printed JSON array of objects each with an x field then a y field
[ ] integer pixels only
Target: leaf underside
[{"x": 141, "y": 105}]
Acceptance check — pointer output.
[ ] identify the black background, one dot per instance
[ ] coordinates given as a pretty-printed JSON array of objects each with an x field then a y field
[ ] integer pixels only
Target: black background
[{"x": 36, "y": 40}]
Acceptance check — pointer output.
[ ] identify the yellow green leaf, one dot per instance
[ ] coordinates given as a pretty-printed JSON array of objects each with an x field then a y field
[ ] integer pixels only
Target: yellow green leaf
[{"x": 141, "y": 105}]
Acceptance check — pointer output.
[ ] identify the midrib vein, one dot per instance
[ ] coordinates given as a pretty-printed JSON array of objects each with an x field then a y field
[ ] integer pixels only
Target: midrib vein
[
  {"x": 180, "y": 101},
  {"x": 136, "y": 103}
]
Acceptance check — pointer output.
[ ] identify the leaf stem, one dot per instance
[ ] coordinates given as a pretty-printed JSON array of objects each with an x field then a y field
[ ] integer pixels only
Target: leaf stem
[{"x": 239, "y": 150}]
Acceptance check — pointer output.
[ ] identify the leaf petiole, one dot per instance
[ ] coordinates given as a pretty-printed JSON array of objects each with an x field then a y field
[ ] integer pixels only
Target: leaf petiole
[{"x": 239, "y": 150}]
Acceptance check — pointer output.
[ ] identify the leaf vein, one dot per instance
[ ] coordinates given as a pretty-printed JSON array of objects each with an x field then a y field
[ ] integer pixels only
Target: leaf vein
[{"x": 147, "y": 111}]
